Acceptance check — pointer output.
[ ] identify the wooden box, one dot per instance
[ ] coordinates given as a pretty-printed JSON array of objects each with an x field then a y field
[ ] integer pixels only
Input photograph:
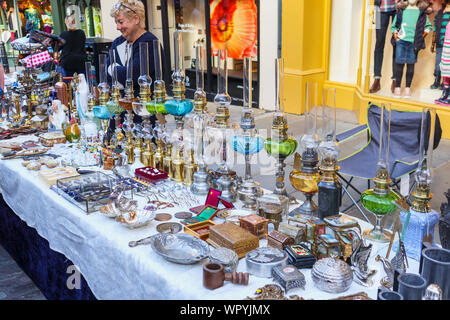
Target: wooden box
[
  {"x": 255, "y": 225},
  {"x": 233, "y": 237},
  {"x": 279, "y": 240},
  {"x": 200, "y": 230}
]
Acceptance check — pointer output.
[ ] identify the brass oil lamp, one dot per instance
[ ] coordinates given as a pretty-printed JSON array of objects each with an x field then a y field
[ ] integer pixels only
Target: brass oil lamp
[
  {"x": 221, "y": 125},
  {"x": 380, "y": 201},
  {"x": 330, "y": 189},
  {"x": 307, "y": 177},
  {"x": 199, "y": 117},
  {"x": 127, "y": 104},
  {"x": 419, "y": 223},
  {"x": 178, "y": 107},
  {"x": 101, "y": 112},
  {"x": 248, "y": 142},
  {"x": 280, "y": 145},
  {"x": 113, "y": 104}
]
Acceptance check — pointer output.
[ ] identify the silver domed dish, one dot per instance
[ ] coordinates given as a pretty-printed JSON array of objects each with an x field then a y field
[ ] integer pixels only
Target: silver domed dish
[
  {"x": 261, "y": 261},
  {"x": 180, "y": 248},
  {"x": 332, "y": 275}
]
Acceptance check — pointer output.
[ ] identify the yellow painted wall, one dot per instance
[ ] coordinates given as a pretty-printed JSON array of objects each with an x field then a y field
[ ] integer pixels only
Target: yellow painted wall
[
  {"x": 306, "y": 51},
  {"x": 305, "y": 28}
]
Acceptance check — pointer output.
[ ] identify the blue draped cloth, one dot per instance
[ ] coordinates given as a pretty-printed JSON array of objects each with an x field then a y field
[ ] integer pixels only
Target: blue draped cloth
[{"x": 48, "y": 269}]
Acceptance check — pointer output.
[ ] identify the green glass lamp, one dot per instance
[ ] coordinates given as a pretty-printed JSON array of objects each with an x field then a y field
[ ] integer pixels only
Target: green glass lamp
[{"x": 380, "y": 201}]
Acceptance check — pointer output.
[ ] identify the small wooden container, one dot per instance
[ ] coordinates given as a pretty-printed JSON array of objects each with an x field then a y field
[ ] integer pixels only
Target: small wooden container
[
  {"x": 200, "y": 230},
  {"x": 233, "y": 237},
  {"x": 255, "y": 224},
  {"x": 279, "y": 240}
]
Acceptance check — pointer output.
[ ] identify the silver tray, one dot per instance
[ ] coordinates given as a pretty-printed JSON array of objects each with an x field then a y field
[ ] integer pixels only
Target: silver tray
[{"x": 180, "y": 248}]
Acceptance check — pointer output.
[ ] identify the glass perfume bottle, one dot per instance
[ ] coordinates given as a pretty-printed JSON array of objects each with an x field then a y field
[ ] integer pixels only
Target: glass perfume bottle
[
  {"x": 380, "y": 201},
  {"x": 179, "y": 106},
  {"x": 157, "y": 105},
  {"x": 100, "y": 111},
  {"x": 248, "y": 142},
  {"x": 144, "y": 80},
  {"x": 330, "y": 189},
  {"x": 305, "y": 177},
  {"x": 280, "y": 145},
  {"x": 419, "y": 223}
]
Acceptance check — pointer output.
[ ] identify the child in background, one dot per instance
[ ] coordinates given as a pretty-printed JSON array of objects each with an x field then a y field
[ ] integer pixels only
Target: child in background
[
  {"x": 440, "y": 23},
  {"x": 445, "y": 70}
]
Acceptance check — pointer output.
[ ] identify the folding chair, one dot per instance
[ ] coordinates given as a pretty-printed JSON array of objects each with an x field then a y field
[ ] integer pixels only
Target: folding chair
[{"x": 403, "y": 149}]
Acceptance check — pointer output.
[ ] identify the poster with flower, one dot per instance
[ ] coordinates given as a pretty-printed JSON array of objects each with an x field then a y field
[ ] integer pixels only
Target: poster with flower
[{"x": 234, "y": 26}]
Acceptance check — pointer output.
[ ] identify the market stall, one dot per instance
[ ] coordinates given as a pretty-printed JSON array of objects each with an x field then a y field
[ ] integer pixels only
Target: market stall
[{"x": 136, "y": 188}]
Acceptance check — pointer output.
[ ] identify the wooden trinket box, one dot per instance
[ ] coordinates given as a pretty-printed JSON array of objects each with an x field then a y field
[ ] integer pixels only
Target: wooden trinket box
[
  {"x": 279, "y": 240},
  {"x": 233, "y": 237},
  {"x": 255, "y": 224},
  {"x": 200, "y": 230}
]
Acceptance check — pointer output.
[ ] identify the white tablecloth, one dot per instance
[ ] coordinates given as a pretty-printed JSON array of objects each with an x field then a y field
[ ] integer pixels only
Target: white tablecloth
[{"x": 98, "y": 246}]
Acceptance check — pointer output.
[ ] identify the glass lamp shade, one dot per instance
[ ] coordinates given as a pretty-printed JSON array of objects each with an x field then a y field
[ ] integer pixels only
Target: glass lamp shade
[
  {"x": 306, "y": 182},
  {"x": 309, "y": 142},
  {"x": 114, "y": 107},
  {"x": 280, "y": 149},
  {"x": 179, "y": 107},
  {"x": 248, "y": 144},
  {"x": 328, "y": 151},
  {"x": 101, "y": 112},
  {"x": 154, "y": 107},
  {"x": 379, "y": 204}
]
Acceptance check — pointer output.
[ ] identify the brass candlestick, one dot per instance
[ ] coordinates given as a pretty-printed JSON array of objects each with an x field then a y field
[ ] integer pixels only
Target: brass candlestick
[
  {"x": 189, "y": 169},
  {"x": 178, "y": 166},
  {"x": 167, "y": 161}
]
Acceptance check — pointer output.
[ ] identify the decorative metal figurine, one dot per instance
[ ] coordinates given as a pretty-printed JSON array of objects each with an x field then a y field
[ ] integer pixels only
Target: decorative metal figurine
[
  {"x": 444, "y": 223},
  {"x": 362, "y": 274}
]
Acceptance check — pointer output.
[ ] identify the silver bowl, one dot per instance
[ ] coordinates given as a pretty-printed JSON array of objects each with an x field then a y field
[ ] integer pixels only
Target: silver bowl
[
  {"x": 180, "y": 248},
  {"x": 137, "y": 219},
  {"x": 332, "y": 275}
]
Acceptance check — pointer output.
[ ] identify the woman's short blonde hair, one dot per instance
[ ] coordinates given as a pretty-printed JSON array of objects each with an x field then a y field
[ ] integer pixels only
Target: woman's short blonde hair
[
  {"x": 127, "y": 7},
  {"x": 71, "y": 23}
]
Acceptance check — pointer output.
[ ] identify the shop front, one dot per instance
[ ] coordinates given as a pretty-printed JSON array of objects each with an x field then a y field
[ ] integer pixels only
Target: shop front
[{"x": 333, "y": 43}]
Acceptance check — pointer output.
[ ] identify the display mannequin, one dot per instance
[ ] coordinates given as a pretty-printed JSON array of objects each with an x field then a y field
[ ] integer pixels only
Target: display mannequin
[
  {"x": 385, "y": 11},
  {"x": 440, "y": 23},
  {"x": 445, "y": 69},
  {"x": 409, "y": 29}
]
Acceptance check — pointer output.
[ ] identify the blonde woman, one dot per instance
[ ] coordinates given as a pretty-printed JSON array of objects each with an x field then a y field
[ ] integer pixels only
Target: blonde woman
[
  {"x": 130, "y": 21},
  {"x": 73, "y": 55}
]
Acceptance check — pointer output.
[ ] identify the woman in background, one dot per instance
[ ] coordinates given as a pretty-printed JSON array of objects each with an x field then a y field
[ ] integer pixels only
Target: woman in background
[{"x": 73, "y": 55}]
